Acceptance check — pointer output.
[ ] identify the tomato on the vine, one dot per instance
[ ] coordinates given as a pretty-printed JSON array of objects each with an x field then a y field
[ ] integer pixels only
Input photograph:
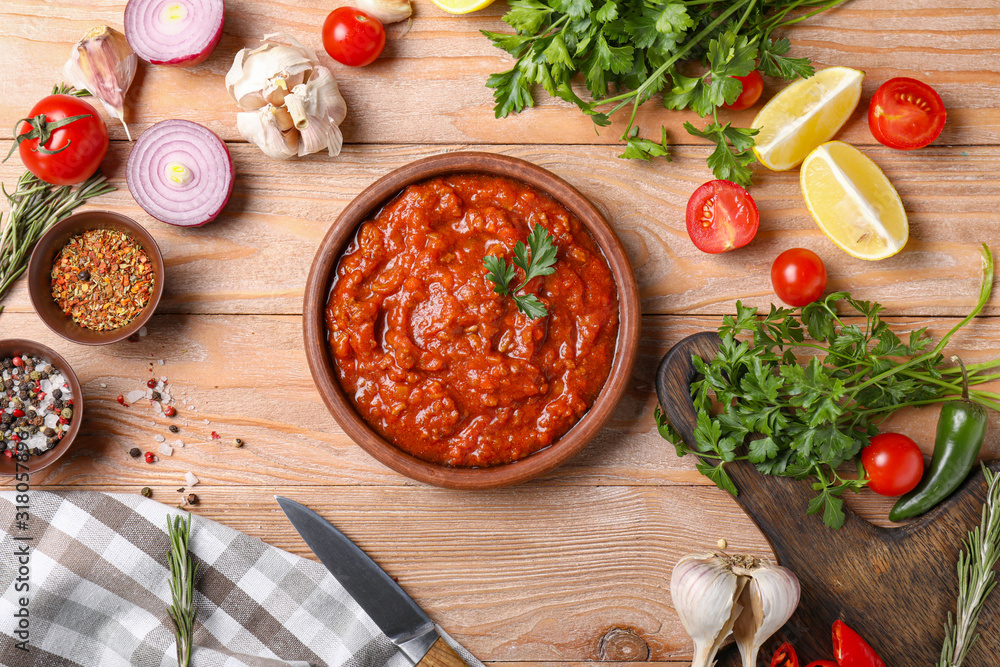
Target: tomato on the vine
[
  {"x": 798, "y": 276},
  {"x": 785, "y": 656},
  {"x": 906, "y": 114},
  {"x": 721, "y": 216},
  {"x": 753, "y": 86},
  {"x": 62, "y": 141},
  {"x": 352, "y": 37},
  {"x": 893, "y": 463},
  {"x": 851, "y": 650}
]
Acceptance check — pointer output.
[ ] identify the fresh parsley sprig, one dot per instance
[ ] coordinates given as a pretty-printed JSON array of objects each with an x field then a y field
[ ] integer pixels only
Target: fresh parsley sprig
[
  {"x": 540, "y": 262},
  {"x": 805, "y": 419},
  {"x": 628, "y": 51}
]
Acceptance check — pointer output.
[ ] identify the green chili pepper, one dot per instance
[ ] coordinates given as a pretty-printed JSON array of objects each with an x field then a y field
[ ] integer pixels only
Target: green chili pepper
[{"x": 961, "y": 429}]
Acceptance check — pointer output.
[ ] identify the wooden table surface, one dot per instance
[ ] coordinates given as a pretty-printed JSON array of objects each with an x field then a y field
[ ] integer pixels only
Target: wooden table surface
[{"x": 574, "y": 567}]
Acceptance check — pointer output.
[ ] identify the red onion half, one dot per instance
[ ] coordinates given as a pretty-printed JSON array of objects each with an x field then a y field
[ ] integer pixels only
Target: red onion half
[
  {"x": 180, "y": 173},
  {"x": 174, "y": 32}
]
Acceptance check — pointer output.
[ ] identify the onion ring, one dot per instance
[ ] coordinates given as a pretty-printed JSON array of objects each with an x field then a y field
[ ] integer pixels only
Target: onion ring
[
  {"x": 181, "y": 33},
  {"x": 180, "y": 173}
]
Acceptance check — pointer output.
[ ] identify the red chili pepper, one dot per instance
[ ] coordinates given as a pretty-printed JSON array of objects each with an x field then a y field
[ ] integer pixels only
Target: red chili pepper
[
  {"x": 785, "y": 656},
  {"x": 63, "y": 420},
  {"x": 851, "y": 650},
  {"x": 69, "y": 402},
  {"x": 822, "y": 663},
  {"x": 215, "y": 436},
  {"x": 17, "y": 413}
]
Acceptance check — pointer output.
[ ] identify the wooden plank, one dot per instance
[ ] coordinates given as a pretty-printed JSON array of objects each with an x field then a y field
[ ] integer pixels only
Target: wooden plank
[
  {"x": 531, "y": 573},
  {"x": 256, "y": 256},
  {"x": 429, "y": 85},
  {"x": 248, "y": 377}
]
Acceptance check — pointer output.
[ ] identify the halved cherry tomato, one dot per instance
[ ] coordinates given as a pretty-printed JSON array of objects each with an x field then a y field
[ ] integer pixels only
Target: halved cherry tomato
[
  {"x": 822, "y": 663},
  {"x": 721, "y": 216},
  {"x": 893, "y": 463},
  {"x": 798, "y": 276},
  {"x": 906, "y": 114},
  {"x": 785, "y": 656},
  {"x": 753, "y": 86},
  {"x": 851, "y": 650}
]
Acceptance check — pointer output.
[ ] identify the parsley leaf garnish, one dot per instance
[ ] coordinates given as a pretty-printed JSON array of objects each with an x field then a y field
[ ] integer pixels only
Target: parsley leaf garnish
[
  {"x": 804, "y": 408},
  {"x": 536, "y": 259},
  {"x": 629, "y": 51}
]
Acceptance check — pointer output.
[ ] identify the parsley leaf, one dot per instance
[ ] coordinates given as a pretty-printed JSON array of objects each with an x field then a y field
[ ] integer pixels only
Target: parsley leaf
[
  {"x": 774, "y": 63},
  {"x": 536, "y": 259},
  {"x": 645, "y": 149},
  {"x": 733, "y": 152}
]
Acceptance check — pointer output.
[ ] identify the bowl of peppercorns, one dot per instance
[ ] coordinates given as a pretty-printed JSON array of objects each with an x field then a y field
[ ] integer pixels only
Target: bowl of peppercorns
[
  {"x": 41, "y": 406},
  {"x": 96, "y": 277}
]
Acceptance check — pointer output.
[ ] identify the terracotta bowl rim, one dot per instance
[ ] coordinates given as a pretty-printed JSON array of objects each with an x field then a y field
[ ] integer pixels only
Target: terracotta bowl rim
[
  {"x": 40, "y": 267},
  {"x": 18, "y": 346},
  {"x": 366, "y": 204}
]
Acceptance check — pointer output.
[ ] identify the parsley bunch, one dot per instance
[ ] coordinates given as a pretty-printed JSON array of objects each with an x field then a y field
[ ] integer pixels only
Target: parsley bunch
[
  {"x": 630, "y": 50},
  {"x": 806, "y": 419},
  {"x": 539, "y": 263}
]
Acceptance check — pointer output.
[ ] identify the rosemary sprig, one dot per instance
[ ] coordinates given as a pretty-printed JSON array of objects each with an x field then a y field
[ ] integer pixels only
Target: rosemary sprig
[
  {"x": 34, "y": 207},
  {"x": 182, "y": 574},
  {"x": 976, "y": 578}
]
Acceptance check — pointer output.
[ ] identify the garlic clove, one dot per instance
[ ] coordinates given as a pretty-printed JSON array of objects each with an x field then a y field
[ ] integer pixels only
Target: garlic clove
[
  {"x": 261, "y": 127},
  {"x": 705, "y": 593},
  {"x": 103, "y": 63},
  {"x": 386, "y": 11},
  {"x": 769, "y": 601}
]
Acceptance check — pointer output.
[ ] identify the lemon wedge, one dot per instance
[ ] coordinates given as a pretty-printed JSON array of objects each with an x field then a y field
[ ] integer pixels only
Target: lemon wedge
[
  {"x": 804, "y": 115},
  {"x": 853, "y": 202},
  {"x": 462, "y": 6}
]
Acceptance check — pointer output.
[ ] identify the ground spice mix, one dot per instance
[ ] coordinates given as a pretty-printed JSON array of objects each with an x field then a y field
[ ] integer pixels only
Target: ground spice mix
[{"x": 102, "y": 278}]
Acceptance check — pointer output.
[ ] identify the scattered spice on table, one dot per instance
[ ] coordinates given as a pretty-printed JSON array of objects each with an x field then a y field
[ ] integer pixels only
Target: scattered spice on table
[
  {"x": 36, "y": 405},
  {"x": 102, "y": 278},
  {"x": 135, "y": 452},
  {"x": 238, "y": 442},
  {"x": 147, "y": 492}
]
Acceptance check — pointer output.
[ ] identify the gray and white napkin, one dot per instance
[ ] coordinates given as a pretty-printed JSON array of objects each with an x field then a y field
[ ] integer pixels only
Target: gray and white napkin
[{"x": 96, "y": 583}]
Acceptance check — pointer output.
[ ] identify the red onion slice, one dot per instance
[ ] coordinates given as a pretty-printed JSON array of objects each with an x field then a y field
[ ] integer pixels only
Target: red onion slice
[
  {"x": 180, "y": 173},
  {"x": 174, "y": 32}
]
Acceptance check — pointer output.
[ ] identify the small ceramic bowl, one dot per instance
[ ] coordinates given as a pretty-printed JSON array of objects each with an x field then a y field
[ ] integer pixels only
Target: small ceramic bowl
[
  {"x": 320, "y": 280},
  {"x": 14, "y": 347},
  {"x": 40, "y": 271}
]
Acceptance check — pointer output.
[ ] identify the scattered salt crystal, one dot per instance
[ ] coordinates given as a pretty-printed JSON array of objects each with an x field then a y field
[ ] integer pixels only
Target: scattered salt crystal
[
  {"x": 207, "y": 422},
  {"x": 51, "y": 420},
  {"x": 143, "y": 332},
  {"x": 166, "y": 396},
  {"x": 159, "y": 438},
  {"x": 165, "y": 449},
  {"x": 104, "y": 386},
  {"x": 134, "y": 396},
  {"x": 160, "y": 362},
  {"x": 179, "y": 443},
  {"x": 157, "y": 407},
  {"x": 190, "y": 478}
]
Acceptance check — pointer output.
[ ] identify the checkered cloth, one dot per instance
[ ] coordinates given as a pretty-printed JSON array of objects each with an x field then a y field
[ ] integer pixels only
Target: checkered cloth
[{"x": 98, "y": 588}]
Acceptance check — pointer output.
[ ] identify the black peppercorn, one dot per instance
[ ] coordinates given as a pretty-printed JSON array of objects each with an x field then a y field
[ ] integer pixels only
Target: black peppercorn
[
  {"x": 174, "y": 429},
  {"x": 191, "y": 499},
  {"x": 57, "y": 393},
  {"x": 147, "y": 492},
  {"x": 156, "y": 396},
  {"x": 84, "y": 275},
  {"x": 135, "y": 452}
]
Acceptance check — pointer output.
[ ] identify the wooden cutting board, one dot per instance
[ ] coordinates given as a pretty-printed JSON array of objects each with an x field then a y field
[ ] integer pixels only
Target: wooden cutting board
[{"x": 895, "y": 586}]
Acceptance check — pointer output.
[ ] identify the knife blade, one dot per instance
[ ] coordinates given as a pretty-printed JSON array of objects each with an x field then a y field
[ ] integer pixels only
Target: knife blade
[{"x": 393, "y": 611}]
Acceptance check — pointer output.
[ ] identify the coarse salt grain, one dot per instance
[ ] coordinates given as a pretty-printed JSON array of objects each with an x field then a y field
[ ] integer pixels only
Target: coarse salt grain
[
  {"x": 159, "y": 438},
  {"x": 135, "y": 395},
  {"x": 142, "y": 332},
  {"x": 104, "y": 386},
  {"x": 165, "y": 449},
  {"x": 207, "y": 422},
  {"x": 190, "y": 478},
  {"x": 179, "y": 443}
]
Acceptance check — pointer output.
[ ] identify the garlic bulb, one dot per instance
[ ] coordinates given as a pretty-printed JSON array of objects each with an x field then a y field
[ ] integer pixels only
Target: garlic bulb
[
  {"x": 293, "y": 105},
  {"x": 716, "y": 594},
  {"x": 104, "y": 64},
  {"x": 386, "y": 11}
]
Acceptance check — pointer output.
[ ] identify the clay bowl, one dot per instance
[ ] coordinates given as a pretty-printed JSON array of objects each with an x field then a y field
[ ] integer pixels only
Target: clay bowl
[
  {"x": 318, "y": 286},
  {"x": 40, "y": 269},
  {"x": 16, "y": 347}
]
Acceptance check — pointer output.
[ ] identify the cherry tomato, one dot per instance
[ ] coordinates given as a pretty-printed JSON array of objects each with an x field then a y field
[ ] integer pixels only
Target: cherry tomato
[
  {"x": 798, "y": 276},
  {"x": 893, "y": 463},
  {"x": 785, "y": 656},
  {"x": 822, "y": 663},
  {"x": 906, "y": 114},
  {"x": 70, "y": 154},
  {"x": 721, "y": 216},
  {"x": 753, "y": 86},
  {"x": 352, "y": 37},
  {"x": 851, "y": 650}
]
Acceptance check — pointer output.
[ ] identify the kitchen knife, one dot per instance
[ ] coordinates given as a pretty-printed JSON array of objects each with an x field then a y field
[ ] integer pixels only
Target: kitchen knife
[{"x": 394, "y": 612}]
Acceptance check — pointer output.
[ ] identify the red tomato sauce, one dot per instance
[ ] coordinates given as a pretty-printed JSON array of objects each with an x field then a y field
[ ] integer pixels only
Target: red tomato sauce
[{"x": 437, "y": 362}]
